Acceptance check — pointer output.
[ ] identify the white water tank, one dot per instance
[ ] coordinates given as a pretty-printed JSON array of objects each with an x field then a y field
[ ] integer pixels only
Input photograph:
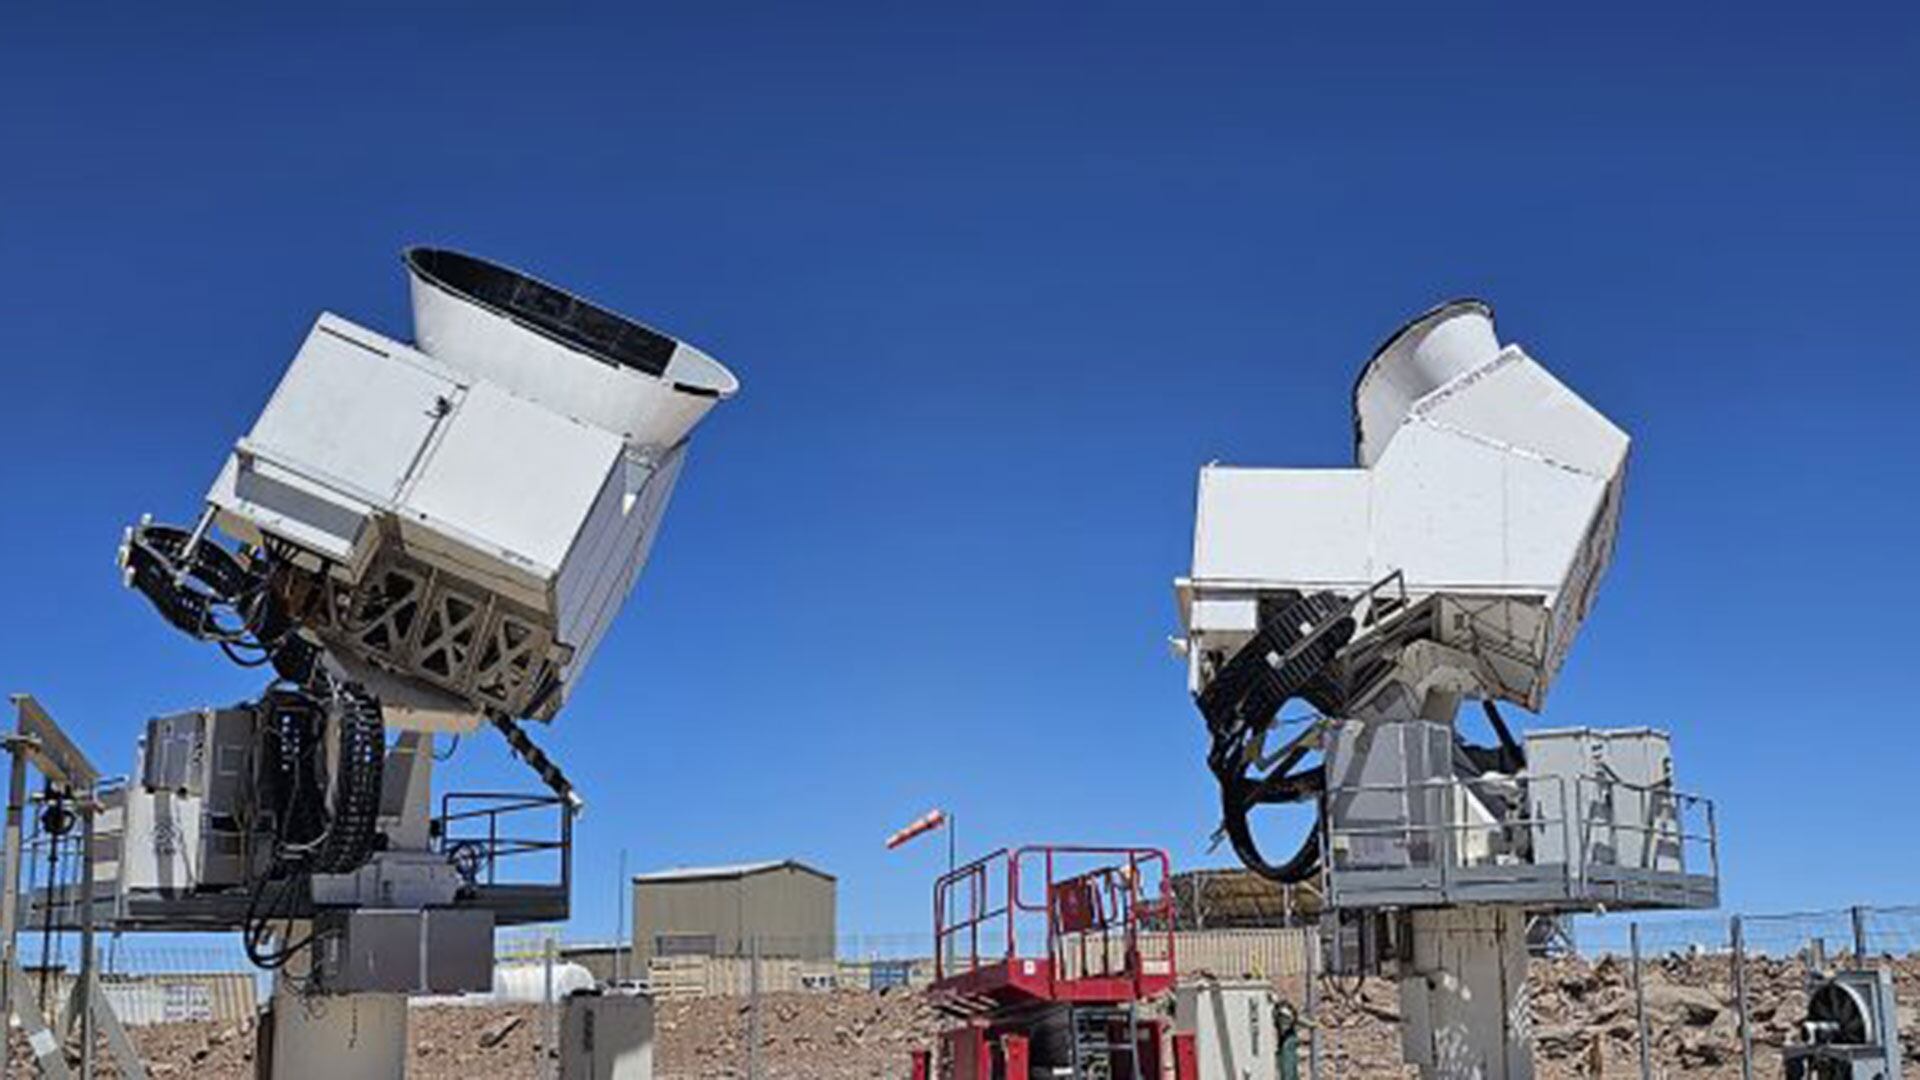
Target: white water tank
[{"x": 526, "y": 983}]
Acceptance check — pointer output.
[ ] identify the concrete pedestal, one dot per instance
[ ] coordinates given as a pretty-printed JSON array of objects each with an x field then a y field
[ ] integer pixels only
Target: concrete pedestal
[
  {"x": 331, "y": 1036},
  {"x": 1463, "y": 1000}
]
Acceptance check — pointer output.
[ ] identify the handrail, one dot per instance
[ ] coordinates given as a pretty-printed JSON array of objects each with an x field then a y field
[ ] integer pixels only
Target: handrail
[
  {"x": 490, "y": 849},
  {"x": 1126, "y": 906},
  {"x": 1674, "y": 828}
]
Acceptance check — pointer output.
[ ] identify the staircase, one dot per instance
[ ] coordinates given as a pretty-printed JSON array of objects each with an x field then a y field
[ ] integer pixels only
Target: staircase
[{"x": 1093, "y": 1030}]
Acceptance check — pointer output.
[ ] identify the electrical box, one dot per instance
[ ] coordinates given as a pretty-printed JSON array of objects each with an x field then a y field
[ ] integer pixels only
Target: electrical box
[
  {"x": 607, "y": 1035},
  {"x": 1603, "y": 797},
  {"x": 193, "y": 787},
  {"x": 1234, "y": 1037},
  {"x": 405, "y": 951}
]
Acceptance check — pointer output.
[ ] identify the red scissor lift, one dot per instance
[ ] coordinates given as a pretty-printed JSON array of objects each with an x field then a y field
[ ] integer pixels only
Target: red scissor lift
[{"x": 1042, "y": 956}]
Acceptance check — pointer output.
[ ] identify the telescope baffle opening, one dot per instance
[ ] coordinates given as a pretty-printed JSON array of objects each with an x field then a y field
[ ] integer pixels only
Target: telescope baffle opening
[{"x": 571, "y": 320}]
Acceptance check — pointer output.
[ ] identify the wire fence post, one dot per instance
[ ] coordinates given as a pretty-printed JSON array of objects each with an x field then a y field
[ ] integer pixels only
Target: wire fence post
[
  {"x": 548, "y": 954},
  {"x": 1739, "y": 943},
  {"x": 753, "y": 1011},
  {"x": 1640, "y": 1001},
  {"x": 1312, "y": 1004},
  {"x": 1858, "y": 915}
]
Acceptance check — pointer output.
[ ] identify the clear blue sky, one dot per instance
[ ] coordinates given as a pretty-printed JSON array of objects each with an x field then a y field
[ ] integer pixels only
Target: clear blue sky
[{"x": 997, "y": 283}]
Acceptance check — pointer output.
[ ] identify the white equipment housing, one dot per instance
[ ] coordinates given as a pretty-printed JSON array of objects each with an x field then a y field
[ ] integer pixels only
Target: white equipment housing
[
  {"x": 607, "y": 1036},
  {"x": 479, "y": 506},
  {"x": 1479, "y": 477},
  {"x": 1610, "y": 791},
  {"x": 1234, "y": 1036}
]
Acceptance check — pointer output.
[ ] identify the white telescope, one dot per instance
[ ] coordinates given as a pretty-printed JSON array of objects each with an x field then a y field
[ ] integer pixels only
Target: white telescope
[
  {"x": 1480, "y": 478},
  {"x": 457, "y": 521},
  {"x": 1454, "y": 562}
]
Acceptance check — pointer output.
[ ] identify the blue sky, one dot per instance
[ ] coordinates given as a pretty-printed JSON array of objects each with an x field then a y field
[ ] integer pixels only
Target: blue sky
[{"x": 997, "y": 282}]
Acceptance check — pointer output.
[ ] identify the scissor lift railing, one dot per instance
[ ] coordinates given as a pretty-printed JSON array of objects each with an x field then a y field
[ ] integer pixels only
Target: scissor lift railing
[{"x": 1055, "y": 923}]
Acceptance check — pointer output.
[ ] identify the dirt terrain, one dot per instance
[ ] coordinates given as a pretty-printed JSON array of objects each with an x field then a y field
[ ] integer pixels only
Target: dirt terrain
[{"x": 1583, "y": 1018}]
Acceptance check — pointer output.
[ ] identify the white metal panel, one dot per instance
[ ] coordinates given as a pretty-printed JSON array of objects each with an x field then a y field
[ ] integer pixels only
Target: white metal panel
[
  {"x": 1456, "y": 512},
  {"x": 597, "y": 552},
  {"x": 1226, "y": 614},
  {"x": 1439, "y": 515},
  {"x": 349, "y": 411},
  {"x": 1517, "y": 403},
  {"x": 513, "y": 475},
  {"x": 1293, "y": 525},
  {"x": 335, "y": 441},
  {"x": 642, "y": 511},
  {"x": 257, "y": 496}
]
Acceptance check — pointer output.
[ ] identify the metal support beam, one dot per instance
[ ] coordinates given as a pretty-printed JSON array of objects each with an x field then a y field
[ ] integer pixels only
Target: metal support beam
[
  {"x": 11, "y": 985},
  {"x": 39, "y": 742}
]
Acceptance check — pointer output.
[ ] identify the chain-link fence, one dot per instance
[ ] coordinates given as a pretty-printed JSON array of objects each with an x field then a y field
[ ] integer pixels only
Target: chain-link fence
[
  {"x": 1713, "y": 996},
  {"x": 1730, "y": 995}
]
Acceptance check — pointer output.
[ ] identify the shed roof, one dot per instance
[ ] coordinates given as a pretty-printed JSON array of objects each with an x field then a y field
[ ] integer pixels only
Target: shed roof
[{"x": 736, "y": 870}]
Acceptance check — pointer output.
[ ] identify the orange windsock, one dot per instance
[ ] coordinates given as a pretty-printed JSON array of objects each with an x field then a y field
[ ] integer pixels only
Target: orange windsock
[{"x": 927, "y": 822}]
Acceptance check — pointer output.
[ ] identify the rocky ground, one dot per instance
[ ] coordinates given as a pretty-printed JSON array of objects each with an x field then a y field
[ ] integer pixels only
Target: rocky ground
[{"x": 1583, "y": 1016}]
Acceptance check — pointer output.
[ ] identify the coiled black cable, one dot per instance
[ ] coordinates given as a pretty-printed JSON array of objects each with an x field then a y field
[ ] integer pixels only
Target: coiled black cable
[{"x": 1290, "y": 656}]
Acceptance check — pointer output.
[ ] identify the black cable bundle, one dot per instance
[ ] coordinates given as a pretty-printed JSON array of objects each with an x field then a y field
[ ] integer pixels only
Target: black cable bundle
[
  {"x": 1291, "y": 656},
  {"x": 323, "y": 818}
]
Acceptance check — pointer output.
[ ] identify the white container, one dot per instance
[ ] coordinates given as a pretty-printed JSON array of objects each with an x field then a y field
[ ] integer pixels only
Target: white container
[
  {"x": 607, "y": 1036},
  {"x": 1605, "y": 795},
  {"x": 526, "y": 983},
  {"x": 1234, "y": 1037}
]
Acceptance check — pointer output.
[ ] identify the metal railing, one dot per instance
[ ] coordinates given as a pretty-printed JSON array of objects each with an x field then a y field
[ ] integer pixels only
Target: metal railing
[
  {"x": 1124, "y": 911},
  {"x": 1434, "y": 831},
  {"x": 470, "y": 832}
]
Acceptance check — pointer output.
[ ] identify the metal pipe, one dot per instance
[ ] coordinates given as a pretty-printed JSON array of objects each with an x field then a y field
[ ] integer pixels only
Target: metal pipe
[
  {"x": 83, "y": 991},
  {"x": 1740, "y": 998},
  {"x": 10, "y": 886},
  {"x": 1640, "y": 1002},
  {"x": 753, "y": 1011}
]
